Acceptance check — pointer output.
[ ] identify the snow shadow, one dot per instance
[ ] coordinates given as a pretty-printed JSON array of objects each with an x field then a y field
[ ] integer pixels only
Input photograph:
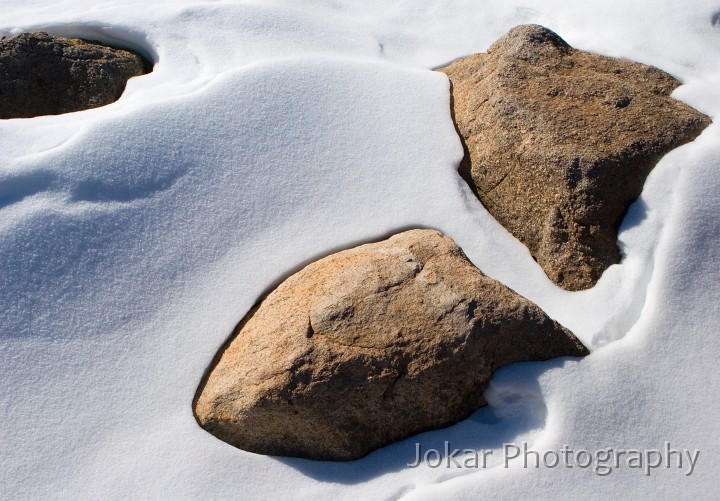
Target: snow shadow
[
  {"x": 127, "y": 189},
  {"x": 516, "y": 411},
  {"x": 16, "y": 188},
  {"x": 635, "y": 214}
]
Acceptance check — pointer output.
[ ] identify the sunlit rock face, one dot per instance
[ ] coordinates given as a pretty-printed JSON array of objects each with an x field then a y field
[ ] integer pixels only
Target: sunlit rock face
[
  {"x": 368, "y": 346},
  {"x": 559, "y": 143}
]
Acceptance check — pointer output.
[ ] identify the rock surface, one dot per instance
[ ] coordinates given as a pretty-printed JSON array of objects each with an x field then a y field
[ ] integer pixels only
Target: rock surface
[
  {"x": 368, "y": 346},
  {"x": 45, "y": 75},
  {"x": 559, "y": 143}
]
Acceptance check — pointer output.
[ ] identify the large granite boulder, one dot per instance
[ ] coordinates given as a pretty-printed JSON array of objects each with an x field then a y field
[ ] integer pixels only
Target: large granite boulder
[
  {"x": 368, "y": 346},
  {"x": 559, "y": 143},
  {"x": 45, "y": 75}
]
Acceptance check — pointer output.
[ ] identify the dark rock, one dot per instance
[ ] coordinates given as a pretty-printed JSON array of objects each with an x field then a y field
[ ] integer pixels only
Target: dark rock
[
  {"x": 559, "y": 143},
  {"x": 368, "y": 346},
  {"x": 45, "y": 75}
]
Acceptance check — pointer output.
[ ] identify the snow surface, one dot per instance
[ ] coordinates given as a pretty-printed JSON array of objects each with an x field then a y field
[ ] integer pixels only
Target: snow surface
[{"x": 135, "y": 236}]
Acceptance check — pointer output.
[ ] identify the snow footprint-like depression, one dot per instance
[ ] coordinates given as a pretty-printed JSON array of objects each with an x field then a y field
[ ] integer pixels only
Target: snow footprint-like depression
[{"x": 135, "y": 236}]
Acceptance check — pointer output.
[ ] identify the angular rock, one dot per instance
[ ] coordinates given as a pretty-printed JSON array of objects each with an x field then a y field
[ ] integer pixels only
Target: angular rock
[
  {"x": 45, "y": 75},
  {"x": 559, "y": 143},
  {"x": 368, "y": 346}
]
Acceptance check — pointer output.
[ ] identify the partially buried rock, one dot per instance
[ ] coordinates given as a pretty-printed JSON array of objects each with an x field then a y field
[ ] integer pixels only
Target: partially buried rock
[
  {"x": 368, "y": 346},
  {"x": 559, "y": 143},
  {"x": 45, "y": 75}
]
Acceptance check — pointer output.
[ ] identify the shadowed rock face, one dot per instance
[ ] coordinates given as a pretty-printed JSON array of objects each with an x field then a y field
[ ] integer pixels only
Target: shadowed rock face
[
  {"x": 559, "y": 143},
  {"x": 368, "y": 346},
  {"x": 45, "y": 75}
]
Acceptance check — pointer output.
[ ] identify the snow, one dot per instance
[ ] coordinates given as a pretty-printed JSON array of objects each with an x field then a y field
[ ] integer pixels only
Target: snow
[{"x": 135, "y": 236}]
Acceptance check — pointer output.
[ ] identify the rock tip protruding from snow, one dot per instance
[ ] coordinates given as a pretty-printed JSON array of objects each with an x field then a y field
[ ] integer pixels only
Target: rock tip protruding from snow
[{"x": 45, "y": 75}]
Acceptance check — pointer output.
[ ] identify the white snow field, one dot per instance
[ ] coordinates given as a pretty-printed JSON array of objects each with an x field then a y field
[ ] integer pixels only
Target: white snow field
[{"x": 133, "y": 238}]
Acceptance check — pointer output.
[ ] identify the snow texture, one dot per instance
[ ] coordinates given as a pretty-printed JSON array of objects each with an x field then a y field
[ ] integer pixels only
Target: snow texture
[{"x": 133, "y": 238}]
